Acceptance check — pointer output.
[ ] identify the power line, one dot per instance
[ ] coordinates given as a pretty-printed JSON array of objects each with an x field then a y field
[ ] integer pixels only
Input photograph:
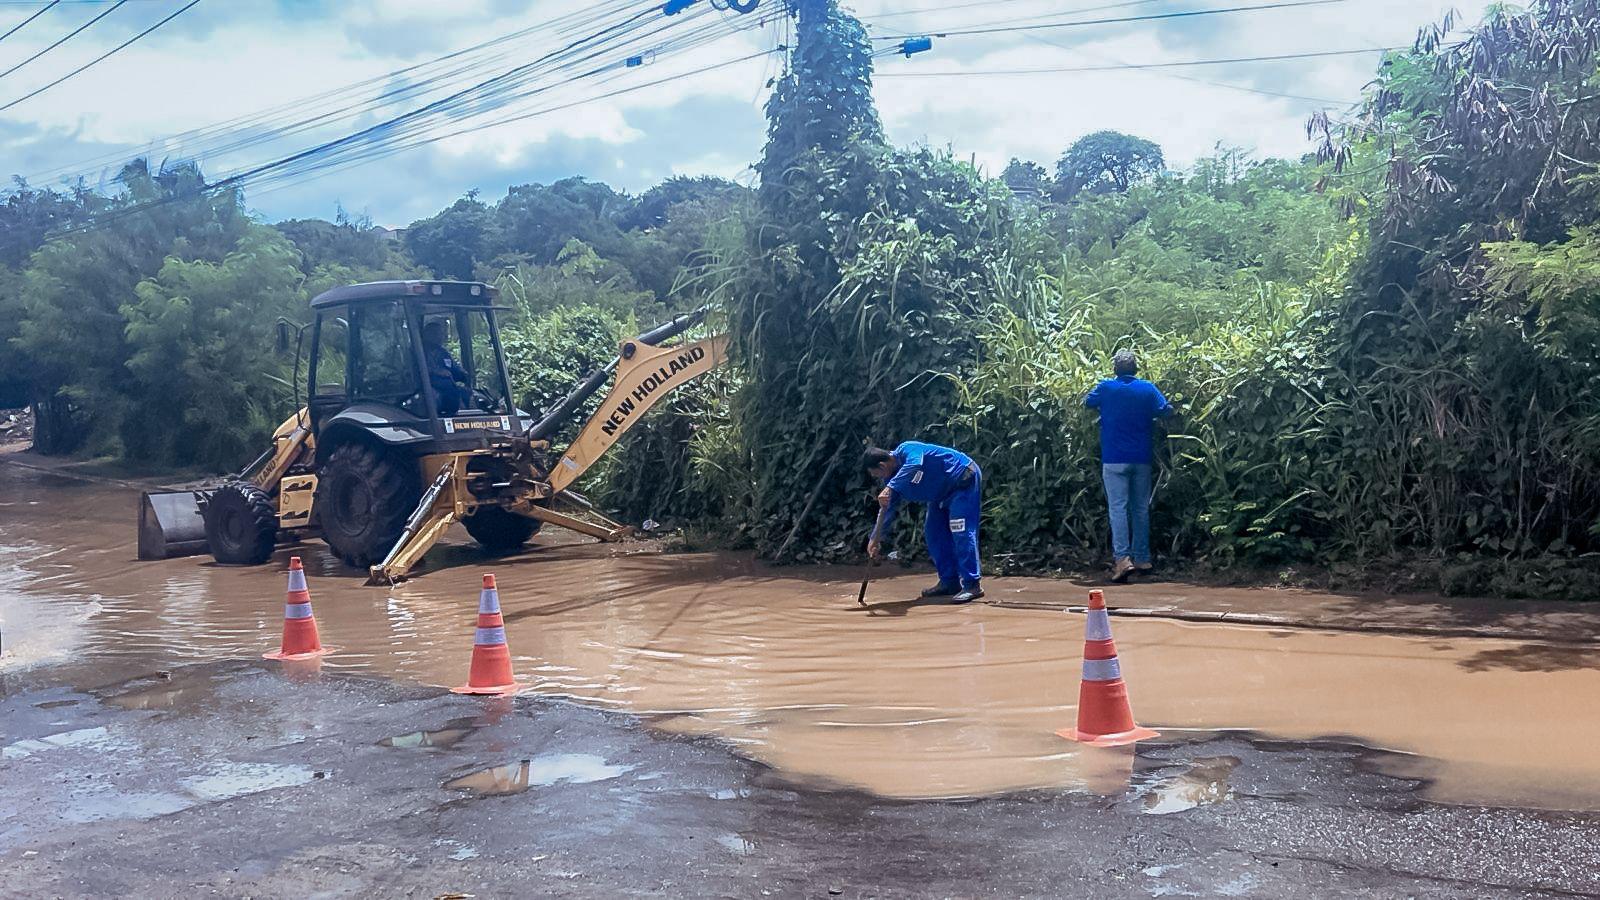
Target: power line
[
  {"x": 313, "y": 110},
  {"x": 993, "y": 3},
  {"x": 488, "y": 89},
  {"x": 70, "y": 35},
  {"x": 1127, "y": 66},
  {"x": 1053, "y": 14},
  {"x": 1153, "y": 17},
  {"x": 488, "y": 86},
  {"x": 102, "y": 57},
  {"x": 18, "y": 27},
  {"x": 1227, "y": 85},
  {"x": 411, "y": 129},
  {"x": 371, "y": 153},
  {"x": 1118, "y": 62},
  {"x": 380, "y": 151},
  {"x": 385, "y": 152}
]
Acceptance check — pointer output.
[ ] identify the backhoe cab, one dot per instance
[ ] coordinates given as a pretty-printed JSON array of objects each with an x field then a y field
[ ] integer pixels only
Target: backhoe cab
[{"x": 411, "y": 426}]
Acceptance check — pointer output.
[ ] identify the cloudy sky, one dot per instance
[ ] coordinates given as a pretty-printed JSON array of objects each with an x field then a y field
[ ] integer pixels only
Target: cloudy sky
[{"x": 236, "y": 84}]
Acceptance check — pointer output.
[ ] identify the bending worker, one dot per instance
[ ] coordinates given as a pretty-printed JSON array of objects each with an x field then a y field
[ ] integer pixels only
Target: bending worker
[
  {"x": 951, "y": 484},
  {"x": 1128, "y": 407},
  {"x": 449, "y": 380}
]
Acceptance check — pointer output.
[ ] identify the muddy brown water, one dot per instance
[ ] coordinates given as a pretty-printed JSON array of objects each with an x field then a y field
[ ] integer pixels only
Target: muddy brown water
[{"x": 900, "y": 700}]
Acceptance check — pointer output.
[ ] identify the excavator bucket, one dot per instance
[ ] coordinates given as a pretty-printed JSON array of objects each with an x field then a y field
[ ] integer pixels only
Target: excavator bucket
[{"x": 170, "y": 524}]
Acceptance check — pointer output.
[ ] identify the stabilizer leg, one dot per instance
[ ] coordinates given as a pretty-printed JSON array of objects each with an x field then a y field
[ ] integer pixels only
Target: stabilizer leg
[{"x": 433, "y": 516}]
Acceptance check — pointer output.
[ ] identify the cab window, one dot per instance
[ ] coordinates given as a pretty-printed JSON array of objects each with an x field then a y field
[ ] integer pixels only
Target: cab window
[
  {"x": 381, "y": 362},
  {"x": 484, "y": 364},
  {"x": 464, "y": 335},
  {"x": 333, "y": 355}
]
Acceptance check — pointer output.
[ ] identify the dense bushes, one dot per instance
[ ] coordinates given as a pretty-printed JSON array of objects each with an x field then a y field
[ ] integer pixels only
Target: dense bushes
[{"x": 1363, "y": 375}]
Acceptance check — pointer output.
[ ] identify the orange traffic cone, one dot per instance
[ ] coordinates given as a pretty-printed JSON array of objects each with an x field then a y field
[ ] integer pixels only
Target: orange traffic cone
[
  {"x": 491, "y": 658},
  {"x": 299, "y": 626},
  {"x": 1104, "y": 717}
]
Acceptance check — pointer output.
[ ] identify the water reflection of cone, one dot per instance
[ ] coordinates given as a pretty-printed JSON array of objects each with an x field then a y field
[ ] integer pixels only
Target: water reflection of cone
[
  {"x": 1106, "y": 771},
  {"x": 304, "y": 670},
  {"x": 1105, "y": 718},
  {"x": 491, "y": 658},
  {"x": 300, "y": 639}
]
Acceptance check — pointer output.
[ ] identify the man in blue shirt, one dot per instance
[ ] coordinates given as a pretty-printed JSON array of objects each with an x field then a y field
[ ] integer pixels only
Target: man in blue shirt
[
  {"x": 449, "y": 379},
  {"x": 1128, "y": 407},
  {"x": 951, "y": 485}
]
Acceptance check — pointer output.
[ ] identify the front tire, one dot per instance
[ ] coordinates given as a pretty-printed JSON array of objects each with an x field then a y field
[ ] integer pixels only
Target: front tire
[
  {"x": 241, "y": 525},
  {"x": 498, "y": 530},
  {"x": 364, "y": 496}
]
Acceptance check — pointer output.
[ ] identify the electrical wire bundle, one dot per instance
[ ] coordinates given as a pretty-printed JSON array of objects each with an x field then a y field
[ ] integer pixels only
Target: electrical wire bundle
[
  {"x": 1036, "y": 27},
  {"x": 613, "y": 48}
]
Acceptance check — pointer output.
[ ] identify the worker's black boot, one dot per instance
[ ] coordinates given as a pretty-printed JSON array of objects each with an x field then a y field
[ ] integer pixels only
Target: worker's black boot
[
  {"x": 941, "y": 589},
  {"x": 968, "y": 594}
]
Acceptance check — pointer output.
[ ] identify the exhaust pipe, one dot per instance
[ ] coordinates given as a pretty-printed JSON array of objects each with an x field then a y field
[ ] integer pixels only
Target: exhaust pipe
[{"x": 170, "y": 524}]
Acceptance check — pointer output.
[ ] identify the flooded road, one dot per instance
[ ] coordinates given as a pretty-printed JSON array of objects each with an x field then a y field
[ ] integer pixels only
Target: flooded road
[{"x": 901, "y": 700}]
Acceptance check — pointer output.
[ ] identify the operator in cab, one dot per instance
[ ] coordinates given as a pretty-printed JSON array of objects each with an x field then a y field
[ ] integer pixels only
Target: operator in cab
[
  {"x": 449, "y": 380},
  {"x": 951, "y": 485}
]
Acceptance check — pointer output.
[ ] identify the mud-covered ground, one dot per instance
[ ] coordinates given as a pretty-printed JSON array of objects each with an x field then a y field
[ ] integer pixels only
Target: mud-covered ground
[{"x": 701, "y": 725}]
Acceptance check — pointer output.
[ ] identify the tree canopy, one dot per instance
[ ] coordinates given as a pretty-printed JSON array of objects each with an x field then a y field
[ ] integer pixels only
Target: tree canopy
[{"x": 1107, "y": 161}]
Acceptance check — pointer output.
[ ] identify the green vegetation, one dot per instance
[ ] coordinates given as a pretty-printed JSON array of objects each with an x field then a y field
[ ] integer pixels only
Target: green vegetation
[{"x": 1385, "y": 354}]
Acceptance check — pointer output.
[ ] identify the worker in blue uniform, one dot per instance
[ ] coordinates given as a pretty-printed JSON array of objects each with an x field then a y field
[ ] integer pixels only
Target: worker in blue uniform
[
  {"x": 951, "y": 485},
  {"x": 449, "y": 380},
  {"x": 1128, "y": 407}
]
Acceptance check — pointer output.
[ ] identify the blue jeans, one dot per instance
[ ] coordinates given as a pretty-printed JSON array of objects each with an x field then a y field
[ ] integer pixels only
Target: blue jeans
[
  {"x": 952, "y": 532},
  {"x": 1128, "y": 497}
]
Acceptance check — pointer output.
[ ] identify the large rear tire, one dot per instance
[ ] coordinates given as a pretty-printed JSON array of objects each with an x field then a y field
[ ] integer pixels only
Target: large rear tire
[
  {"x": 241, "y": 525},
  {"x": 500, "y": 531},
  {"x": 365, "y": 493}
]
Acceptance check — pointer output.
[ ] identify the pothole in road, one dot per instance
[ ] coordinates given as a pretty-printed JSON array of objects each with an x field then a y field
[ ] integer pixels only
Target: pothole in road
[
  {"x": 239, "y": 779},
  {"x": 1205, "y": 783},
  {"x": 160, "y": 697},
  {"x": 98, "y": 739},
  {"x": 541, "y": 771},
  {"x": 93, "y": 799},
  {"x": 192, "y": 690},
  {"x": 736, "y": 844},
  {"x": 441, "y": 738}
]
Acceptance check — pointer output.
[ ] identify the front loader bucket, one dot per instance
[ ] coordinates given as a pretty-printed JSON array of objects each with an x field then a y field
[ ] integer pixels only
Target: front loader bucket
[{"x": 170, "y": 525}]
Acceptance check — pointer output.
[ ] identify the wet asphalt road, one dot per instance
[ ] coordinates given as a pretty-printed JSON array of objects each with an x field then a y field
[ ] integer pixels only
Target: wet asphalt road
[
  {"x": 243, "y": 780},
  {"x": 146, "y": 750}
]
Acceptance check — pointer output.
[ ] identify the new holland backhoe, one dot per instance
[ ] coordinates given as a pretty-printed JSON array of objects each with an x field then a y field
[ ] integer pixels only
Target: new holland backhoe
[{"x": 410, "y": 426}]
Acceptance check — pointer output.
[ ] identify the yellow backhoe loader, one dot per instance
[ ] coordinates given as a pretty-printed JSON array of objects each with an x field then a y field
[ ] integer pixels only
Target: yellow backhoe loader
[{"x": 410, "y": 427}]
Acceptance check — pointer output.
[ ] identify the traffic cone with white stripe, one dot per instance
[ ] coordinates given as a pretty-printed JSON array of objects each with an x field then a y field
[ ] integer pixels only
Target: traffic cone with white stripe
[
  {"x": 491, "y": 658},
  {"x": 300, "y": 639},
  {"x": 1104, "y": 717}
]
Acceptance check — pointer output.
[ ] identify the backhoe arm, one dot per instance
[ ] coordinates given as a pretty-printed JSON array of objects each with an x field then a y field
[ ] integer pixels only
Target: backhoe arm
[
  {"x": 288, "y": 442},
  {"x": 645, "y": 374}
]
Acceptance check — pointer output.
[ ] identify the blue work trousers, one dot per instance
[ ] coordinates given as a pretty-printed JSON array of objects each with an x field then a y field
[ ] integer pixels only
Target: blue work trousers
[
  {"x": 1128, "y": 498},
  {"x": 952, "y": 532}
]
